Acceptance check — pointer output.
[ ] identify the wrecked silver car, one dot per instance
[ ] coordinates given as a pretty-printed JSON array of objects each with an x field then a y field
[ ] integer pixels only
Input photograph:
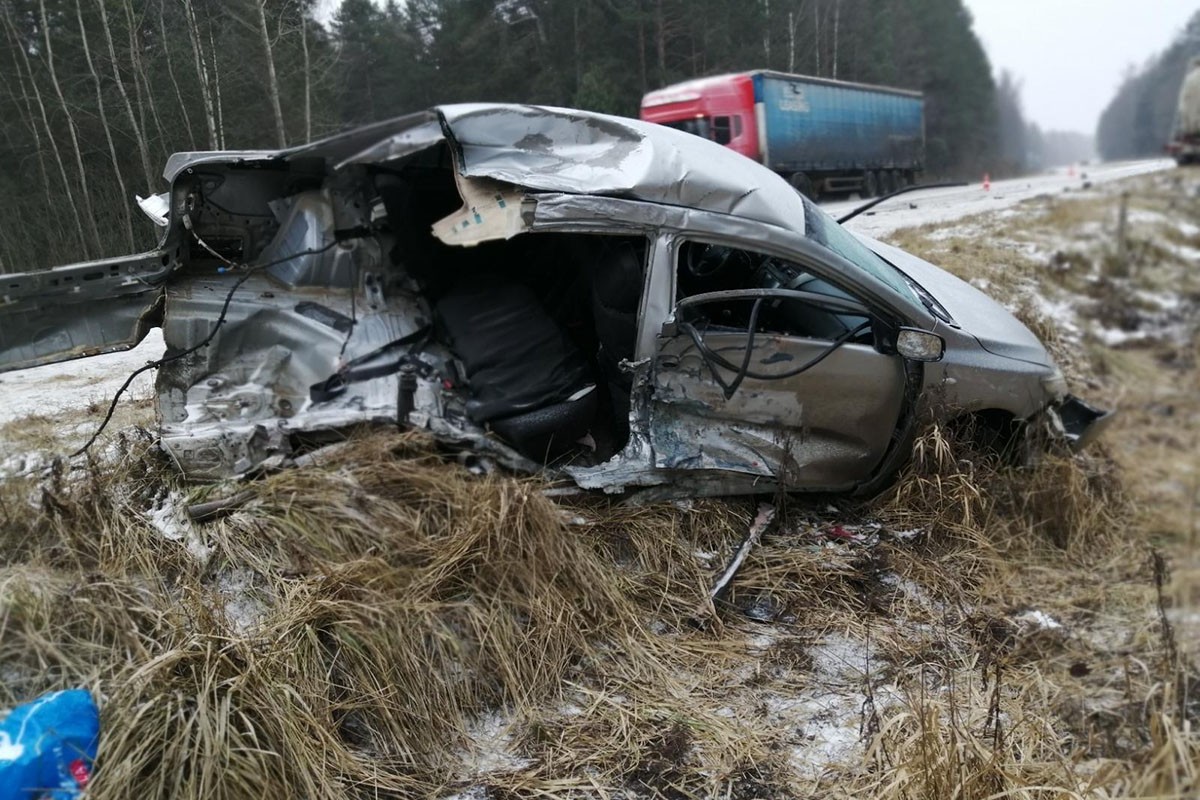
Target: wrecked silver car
[{"x": 620, "y": 303}]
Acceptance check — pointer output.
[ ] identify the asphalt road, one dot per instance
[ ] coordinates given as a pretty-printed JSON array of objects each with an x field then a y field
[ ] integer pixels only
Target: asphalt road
[{"x": 944, "y": 205}]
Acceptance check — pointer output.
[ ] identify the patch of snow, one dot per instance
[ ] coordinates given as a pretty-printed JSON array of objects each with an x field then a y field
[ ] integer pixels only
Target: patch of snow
[
  {"x": 490, "y": 747},
  {"x": 1141, "y": 216},
  {"x": 910, "y": 589},
  {"x": 77, "y": 384},
  {"x": 169, "y": 517},
  {"x": 1186, "y": 253},
  {"x": 908, "y": 535},
  {"x": 762, "y": 640},
  {"x": 473, "y": 793},
  {"x": 10, "y": 750},
  {"x": 1187, "y": 229},
  {"x": 1114, "y": 337},
  {"x": 826, "y": 720},
  {"x": 24, "y": 464},
  {"x": 1165, "y": 301},
  {"x": 1039, "y": 620},
  {"x": 241, "y": 603}
]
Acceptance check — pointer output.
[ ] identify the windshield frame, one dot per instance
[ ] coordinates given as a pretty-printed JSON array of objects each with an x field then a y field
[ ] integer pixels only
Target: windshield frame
[{"x": 822, "y": 229}]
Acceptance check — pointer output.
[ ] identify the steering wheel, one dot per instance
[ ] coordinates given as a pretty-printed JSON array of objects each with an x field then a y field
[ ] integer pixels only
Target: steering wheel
[{"x": 707, "y": 261}]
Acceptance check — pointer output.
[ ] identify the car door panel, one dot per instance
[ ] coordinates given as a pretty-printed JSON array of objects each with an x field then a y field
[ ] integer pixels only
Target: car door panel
[{"x": 825, "y": 427}]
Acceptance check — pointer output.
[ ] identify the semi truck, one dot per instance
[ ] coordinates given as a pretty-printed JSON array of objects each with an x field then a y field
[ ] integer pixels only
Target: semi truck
[
  {"x": 1185, "y": 140},
  {"x": 822, "y": 135}
]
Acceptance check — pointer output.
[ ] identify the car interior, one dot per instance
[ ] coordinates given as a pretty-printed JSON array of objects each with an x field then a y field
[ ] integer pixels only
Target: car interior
[
  {"x": 705, "y": 268},
  {"x": 538, "y": 324}
]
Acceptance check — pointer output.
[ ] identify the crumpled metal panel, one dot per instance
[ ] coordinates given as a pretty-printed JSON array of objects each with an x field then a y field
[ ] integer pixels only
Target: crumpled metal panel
[
  {"x": 828, "y": 426},
  {"x": 49, "y": 315},
  {"x": 561, "y": 150}
]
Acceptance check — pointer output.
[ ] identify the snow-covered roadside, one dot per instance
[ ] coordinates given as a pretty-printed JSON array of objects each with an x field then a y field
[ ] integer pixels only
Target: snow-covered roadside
[
  {"x": 74, "y": 385},
  {"x": 948, "y": 205}
]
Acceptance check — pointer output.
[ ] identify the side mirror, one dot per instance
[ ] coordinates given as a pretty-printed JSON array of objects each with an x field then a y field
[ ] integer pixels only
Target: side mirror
[{"x": 919, "y": 345}]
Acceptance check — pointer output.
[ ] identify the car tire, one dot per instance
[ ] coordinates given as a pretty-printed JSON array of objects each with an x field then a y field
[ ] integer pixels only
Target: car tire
[
  {"x": 870, "y": 184},
  {"x": 803, "y": 184}
]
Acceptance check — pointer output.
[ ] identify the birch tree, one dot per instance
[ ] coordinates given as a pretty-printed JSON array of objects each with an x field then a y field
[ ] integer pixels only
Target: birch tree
[
  {"x": 272, "y": 80},
  {"x": 85, "y": 198},
  {"x": 139, "y": 135},
  {"x": 201, "y": 73},
  {"x": 103, "y": 112}
]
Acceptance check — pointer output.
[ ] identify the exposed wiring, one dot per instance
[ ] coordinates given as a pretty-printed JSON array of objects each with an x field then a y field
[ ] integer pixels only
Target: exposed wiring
[
  {"x": 353, "y": 313},
  {"x": 742, "y": 371},
  {"x": 249, "y": 271},
  {"x": 868, "y": 206}
]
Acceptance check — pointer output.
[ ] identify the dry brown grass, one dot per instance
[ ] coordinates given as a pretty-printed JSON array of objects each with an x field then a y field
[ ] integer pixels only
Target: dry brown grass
[{"x": 381, "y": 623}]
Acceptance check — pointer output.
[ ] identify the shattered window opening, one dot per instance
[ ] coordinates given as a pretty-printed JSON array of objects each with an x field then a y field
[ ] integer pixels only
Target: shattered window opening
[
  {"x": 821, "y": 228},
  {"x": 704, "y": 268}
]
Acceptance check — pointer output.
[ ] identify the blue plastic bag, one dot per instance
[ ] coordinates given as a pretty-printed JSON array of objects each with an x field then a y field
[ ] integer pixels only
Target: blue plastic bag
[{"x": 48, "y": 747}]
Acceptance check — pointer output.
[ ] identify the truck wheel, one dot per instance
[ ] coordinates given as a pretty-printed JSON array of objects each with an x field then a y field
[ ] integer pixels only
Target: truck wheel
[
  {"x": 803, "y": 184},
  {"x": 887, "y": 182},
  {"x": 870, "y": 184}
]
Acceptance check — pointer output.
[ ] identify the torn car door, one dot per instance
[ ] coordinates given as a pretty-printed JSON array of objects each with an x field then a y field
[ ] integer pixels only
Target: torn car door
[{"x": 735, "y": 391}]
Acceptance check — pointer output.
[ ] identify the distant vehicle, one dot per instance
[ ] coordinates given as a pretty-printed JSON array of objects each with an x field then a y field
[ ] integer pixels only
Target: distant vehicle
[
  {"x": 614, "y": 302},
  {"x": 1185, "y": 141},
  {"x": 821, "y": 135}
]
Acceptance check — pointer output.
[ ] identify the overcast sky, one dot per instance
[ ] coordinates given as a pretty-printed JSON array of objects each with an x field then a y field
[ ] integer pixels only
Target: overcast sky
[{"x": 1071, "y": 54}]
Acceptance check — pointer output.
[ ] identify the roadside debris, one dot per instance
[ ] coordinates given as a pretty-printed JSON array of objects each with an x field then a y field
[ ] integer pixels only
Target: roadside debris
[
  {"x": 762, "y": 521},
  {"x": 48, "y": 747}
]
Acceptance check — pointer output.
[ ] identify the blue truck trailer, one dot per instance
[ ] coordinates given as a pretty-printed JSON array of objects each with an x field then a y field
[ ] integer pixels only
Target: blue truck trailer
[{"x": 823, "y": 135}]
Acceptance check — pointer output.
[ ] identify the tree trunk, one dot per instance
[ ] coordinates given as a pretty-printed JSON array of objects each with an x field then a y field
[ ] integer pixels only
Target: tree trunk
[
  {"x": 142, "y": 82},
  {"x": 661, "y": 41},
  {"x": 791, "y": 43},
  {"x": 817, "y": 36},
  {"x": 183, "y": 108},
  {"x": 112, "y": 150},
  {"x": 138, "y": 132},
  {"x": 767, "y": 33},
  {"x": 33, "y": 129},
  {"x": 272, "y": 81},
  {"x": 201, "y": 73},
  {"x": 837, "y": 12},
  {"x": 86, "y": 198},
  {"x": 212, "y": 45},
  {"x": 641, "y": 29},
  {"x": 307, "y": 77},
  {"x": 68, "y": 192}
]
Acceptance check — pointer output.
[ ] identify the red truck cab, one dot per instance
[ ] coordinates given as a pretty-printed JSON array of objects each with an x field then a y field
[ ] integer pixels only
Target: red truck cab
[{"x": 720, "y": 108}]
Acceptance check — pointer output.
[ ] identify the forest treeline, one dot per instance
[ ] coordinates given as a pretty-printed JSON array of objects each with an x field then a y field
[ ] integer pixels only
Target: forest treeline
[
  {"x": 100, "y": 92},
  {"x": 1139, "y": 119}
]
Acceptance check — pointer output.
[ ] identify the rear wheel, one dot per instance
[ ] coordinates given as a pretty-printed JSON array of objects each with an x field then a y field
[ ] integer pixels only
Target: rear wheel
[
  {"x": 887, "y": 182},
  {"x": 870, "y": 184},
  {"x": 803, "y": 184}
]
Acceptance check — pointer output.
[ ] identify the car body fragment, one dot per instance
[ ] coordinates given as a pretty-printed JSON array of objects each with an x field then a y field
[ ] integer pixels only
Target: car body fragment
[{"x": 617, "y": 303}]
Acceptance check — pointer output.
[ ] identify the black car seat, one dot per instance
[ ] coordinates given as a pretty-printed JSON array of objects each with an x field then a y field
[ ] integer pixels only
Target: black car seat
[
  {"x": 527, "y": 381},
  {"x": 616, "y": 276}
]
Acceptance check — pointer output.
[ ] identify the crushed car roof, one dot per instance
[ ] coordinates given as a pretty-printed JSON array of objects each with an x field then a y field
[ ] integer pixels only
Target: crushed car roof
[{"x": 561, "y": 150}]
